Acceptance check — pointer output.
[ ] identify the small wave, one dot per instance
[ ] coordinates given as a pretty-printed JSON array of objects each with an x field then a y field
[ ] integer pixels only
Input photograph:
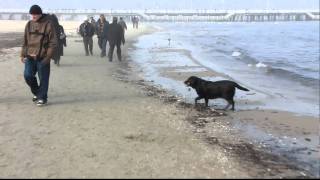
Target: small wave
[
  {"x": 236, "y": 54},
  {"x": 258, "y": 65},
  {"x": 276, "y": 71},
  {"x": 307, "y": 81},
  {"x": 261, "y": 65}
]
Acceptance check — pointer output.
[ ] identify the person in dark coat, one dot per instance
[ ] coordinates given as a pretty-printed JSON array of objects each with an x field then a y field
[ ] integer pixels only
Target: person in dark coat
[
  {"x": 133, "y": 20},
  {"x": 62, "y": 42},
  {"x": 101, "y": 27},
  {"x": 115, "y": 37},
  {"x": 93, "y": 21},
  {"x": 55, "y": 22},
  {"x": 137, "y": 22},
  {"x": 87, "y": 31},
  {"x": 123, "y": 24}
]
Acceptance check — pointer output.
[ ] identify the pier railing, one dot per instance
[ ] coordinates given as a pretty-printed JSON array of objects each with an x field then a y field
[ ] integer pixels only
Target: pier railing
[{"x": 174, "y": 15}]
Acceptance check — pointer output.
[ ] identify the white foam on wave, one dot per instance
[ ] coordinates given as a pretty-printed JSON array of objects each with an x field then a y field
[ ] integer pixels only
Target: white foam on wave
[
  {"x": 236, "y": 54},
  {"x": 261, "y": 65},
  {"x": 258, "y": 65}
]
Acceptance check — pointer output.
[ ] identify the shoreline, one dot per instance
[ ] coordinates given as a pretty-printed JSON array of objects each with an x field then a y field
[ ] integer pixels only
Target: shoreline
[
  {"x": 210, "y": 127},
  {"x": 95, "y": 126},
  {"x": 182, "y": 56},
  {"x": 250, "y": 154},
  {"x": 273, "y": 126}
]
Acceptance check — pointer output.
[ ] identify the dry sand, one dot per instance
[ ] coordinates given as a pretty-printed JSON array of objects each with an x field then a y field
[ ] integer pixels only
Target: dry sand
[{"x": 100, "y": 123}]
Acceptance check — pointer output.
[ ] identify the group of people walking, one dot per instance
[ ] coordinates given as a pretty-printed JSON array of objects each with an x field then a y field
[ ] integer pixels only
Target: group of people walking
[
  {"x": 44, "y": 39},
  {"x": 135, "y": 22},
  {"x": 106, "y": 32}
]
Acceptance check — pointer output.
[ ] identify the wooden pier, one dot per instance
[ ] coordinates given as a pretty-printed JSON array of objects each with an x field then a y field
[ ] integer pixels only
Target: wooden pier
[{"x": 176, "y": 15}]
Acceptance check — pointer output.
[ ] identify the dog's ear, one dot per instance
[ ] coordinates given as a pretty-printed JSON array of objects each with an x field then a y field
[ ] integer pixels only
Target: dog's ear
[{"x": 193, "y": 81}]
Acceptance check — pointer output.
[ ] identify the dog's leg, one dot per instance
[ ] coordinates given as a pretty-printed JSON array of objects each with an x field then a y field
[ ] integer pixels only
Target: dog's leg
[
  {"x": 233, "y": 107},
  {"x": 232, "y": 103},
  {"x": 207, "y": 101},
  {"x": 196, "y": 99},
  {"x": 226, "y": 108}
]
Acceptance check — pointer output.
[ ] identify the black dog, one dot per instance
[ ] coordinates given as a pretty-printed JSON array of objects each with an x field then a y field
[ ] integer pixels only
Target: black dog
[{"x": 212, "y": 90}]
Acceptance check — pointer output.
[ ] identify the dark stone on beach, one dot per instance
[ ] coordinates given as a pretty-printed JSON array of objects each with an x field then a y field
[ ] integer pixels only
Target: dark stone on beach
[
  {"x": 212, "y": 140},
  {"x": 308, "y": 139}
]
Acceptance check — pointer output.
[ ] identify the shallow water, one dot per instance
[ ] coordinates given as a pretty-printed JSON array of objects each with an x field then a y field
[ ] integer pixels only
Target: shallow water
[{"x": 279, "y": 63}]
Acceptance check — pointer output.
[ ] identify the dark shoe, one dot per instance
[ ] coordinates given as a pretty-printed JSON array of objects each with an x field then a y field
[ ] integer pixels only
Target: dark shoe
[
  {"x": 34, "y": 99},
  {"x": 91, "y": 53},
  {"x": 41, "y": 102},
  {"x": 87, "y": 54}
]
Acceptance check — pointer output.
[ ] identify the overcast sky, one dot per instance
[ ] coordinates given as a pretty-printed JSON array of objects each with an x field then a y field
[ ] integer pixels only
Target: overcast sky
[{"x": 161, "y": 4}]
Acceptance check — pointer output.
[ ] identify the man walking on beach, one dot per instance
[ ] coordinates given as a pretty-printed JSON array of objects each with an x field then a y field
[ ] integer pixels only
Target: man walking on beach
[
  {"x": 133, "y": 20},
  {"x": 93, "y": 21},
  {"x": 102, "y": 26},
  {"x": 62, "y": 42},
  {"x": 87, "y": 31},
  {"x": 39, "y": 45},
  {"x": 123, "y": 24},
  {"x": 115, "y": 37},
  {"x": 137, "y": 22}
]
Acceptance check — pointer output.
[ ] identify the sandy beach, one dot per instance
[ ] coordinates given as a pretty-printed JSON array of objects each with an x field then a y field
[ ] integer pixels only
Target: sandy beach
[{"x": 103, "y": 120}]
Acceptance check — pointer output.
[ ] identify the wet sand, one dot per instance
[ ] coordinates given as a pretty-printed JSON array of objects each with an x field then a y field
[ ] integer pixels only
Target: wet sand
[
  {"x": 96, "y": 126},
  {"x": 9, "y": 40},
  {"x": 104, "y": 121}
]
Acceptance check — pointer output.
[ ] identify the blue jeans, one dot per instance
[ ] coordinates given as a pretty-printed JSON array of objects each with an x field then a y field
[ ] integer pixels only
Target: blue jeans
[
  {"x": 31, "y": 68},
  {"x": 103, "y": 45}
]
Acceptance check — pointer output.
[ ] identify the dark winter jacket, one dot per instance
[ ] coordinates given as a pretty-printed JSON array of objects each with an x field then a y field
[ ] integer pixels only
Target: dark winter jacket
[
  {"x": 62, "y": 40},
  {"x": 101, "y": 28},
  {"x": 86, "y": 29},
  {"x": 123, "y": 24},
  {"x": 115, "y": 33}
]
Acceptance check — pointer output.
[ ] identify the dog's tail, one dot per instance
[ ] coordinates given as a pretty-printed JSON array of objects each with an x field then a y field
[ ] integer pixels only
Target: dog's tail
[{"x": 240, "y": 87}]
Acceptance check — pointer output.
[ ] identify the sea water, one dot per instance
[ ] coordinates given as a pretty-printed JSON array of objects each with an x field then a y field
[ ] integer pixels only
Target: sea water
[{"x": 278, "y": 62}]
